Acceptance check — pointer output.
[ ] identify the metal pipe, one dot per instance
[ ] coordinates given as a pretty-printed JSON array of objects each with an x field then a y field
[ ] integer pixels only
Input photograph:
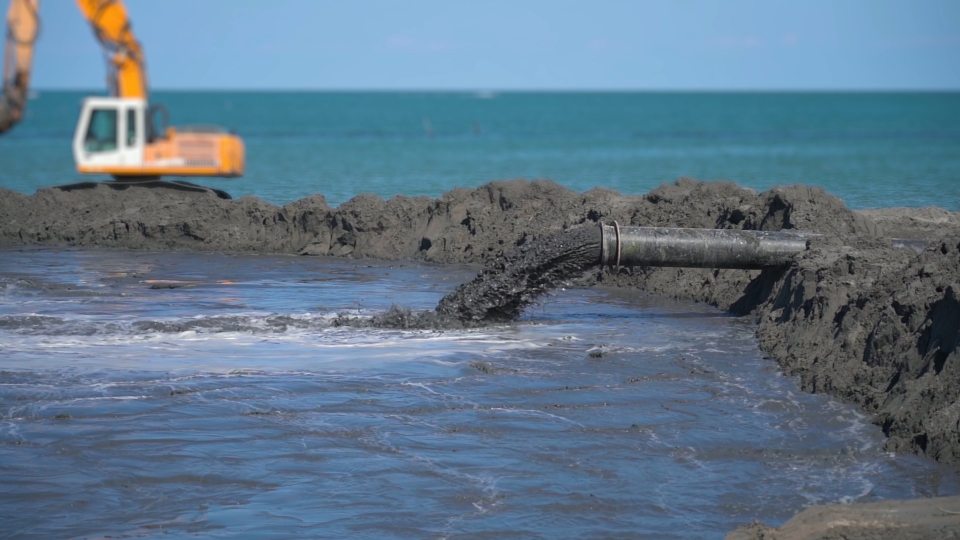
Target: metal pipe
[{"x": 698, "y": 248}]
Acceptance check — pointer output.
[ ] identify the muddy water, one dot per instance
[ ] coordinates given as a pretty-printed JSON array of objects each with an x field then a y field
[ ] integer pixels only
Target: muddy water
[{"x": 146, "y": 393}]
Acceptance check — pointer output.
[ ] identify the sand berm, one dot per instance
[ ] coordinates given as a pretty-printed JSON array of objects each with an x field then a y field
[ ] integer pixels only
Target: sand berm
[{"x": 853, "y": 316}]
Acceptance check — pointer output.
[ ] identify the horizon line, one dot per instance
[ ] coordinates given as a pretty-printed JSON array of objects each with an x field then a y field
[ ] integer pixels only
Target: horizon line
[{"x": 539, "y": 90}]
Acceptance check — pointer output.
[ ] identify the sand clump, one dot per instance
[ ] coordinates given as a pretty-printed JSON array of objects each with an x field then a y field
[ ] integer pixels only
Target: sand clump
[{"x": 853, "y": 317}]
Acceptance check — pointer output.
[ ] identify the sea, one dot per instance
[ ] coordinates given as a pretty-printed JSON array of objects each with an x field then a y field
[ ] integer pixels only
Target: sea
[
  {"x": 213, "y": 395},
  {"x": 872, "y": 150}
]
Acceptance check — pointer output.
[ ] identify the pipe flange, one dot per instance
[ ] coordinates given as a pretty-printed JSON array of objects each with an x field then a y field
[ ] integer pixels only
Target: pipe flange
[{"x": 616, "y": 227}]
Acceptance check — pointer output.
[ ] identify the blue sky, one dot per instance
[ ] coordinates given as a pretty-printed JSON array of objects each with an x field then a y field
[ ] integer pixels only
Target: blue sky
[{"x": 520, "y": 45}]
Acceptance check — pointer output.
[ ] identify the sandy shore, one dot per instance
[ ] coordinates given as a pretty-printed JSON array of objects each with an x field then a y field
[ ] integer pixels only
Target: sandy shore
[
  {"x": 919, "y": 519},
  {"x": 853, "y": 317}
]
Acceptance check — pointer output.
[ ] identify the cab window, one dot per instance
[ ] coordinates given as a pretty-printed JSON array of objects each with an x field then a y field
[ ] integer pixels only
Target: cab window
[
  {"x": 102, "y": 131},
  {"x": 131, "y": 128}
]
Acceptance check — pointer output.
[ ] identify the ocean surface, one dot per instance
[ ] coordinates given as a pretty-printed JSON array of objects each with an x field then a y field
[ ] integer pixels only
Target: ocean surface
[
  {"x": 148, "y": 394},
  {"x": 231, "y": 406},
  {"x": 870, "y": 149}
]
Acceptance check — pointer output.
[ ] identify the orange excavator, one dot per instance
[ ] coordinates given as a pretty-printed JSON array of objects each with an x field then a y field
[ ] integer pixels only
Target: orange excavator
[{"x": 122, "y": 135}]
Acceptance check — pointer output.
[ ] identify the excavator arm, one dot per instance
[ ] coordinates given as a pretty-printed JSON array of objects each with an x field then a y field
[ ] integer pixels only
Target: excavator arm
[{"x": 23, "y": 27}]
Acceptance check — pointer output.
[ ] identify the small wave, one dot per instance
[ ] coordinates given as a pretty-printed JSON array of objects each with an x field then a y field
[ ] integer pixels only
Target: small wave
[
  {"x": 35, "y": 324},
  {"x": 396, "y": 318},
  {"x": 10, "y": 285}
]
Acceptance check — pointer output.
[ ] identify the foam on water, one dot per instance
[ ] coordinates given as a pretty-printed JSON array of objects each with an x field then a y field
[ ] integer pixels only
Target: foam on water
[{"x": 243, "y": 410}]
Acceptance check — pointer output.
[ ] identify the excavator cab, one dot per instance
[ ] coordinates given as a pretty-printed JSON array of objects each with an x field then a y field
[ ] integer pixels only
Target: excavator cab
[{"x": 119, "y": 137}]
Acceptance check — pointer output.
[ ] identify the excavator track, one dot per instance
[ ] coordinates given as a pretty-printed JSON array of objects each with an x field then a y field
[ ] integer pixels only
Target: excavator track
[{"x": 149, "y": 183}]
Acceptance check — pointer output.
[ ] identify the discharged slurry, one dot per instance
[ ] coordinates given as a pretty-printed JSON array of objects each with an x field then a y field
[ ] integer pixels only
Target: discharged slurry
[{"x": 511, "y": 282}]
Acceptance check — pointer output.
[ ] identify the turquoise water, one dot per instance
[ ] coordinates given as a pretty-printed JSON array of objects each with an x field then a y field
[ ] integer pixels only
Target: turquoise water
[{"x": 871, "y": 149}]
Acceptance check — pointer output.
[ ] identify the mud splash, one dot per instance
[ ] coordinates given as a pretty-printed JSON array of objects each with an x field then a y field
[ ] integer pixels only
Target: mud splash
[
  {"x": 504, "y": 288},
  {"x": 513, "y": 282},
  {"x": 400, "y": 317}
]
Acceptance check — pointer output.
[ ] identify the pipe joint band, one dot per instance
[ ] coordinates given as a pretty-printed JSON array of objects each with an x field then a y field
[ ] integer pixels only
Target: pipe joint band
[{"x": 616, "y": 227}]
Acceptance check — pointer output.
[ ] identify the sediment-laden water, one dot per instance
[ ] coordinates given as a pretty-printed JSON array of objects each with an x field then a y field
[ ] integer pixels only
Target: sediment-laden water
[{"x": 144, "y": 393}]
